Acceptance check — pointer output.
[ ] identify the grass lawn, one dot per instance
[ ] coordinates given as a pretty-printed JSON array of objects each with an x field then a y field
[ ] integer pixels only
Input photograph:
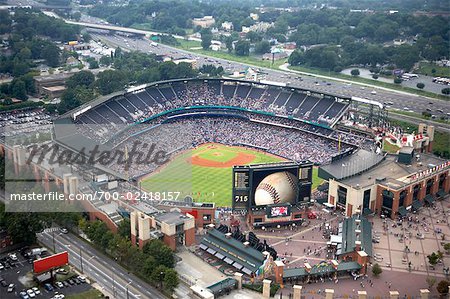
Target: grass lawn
[
  {"x": 426, "y": 68},
  {"x": 203, "y": 184},
  {"x": 91, "y": 294},
  {"x": 251, "y": 60},
  {"x": 316, "y": 181},
  {"x": 390, "y": 148}
]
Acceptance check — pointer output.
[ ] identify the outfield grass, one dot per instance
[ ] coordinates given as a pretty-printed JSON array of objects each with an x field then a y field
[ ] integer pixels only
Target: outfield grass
[
  {"x": 316, "y": 181},
  {"x": 203, "y": 184}
]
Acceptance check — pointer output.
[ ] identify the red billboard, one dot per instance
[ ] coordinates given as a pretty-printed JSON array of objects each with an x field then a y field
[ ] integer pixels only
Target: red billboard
[{"x": 47, "y": 263}]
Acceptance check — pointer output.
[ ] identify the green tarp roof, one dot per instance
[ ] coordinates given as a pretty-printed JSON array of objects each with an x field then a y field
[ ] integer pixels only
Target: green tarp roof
[
  {"x": 320, "y": 269},
  {"x": 231, "y": 248},
  {"x": 441, "y": 193},
  {"x": 429, "y": 198},
  {"x": 402, "y": 211},
  {"x": 417, "y": 204},
  {"x": 349, "y": 227}
]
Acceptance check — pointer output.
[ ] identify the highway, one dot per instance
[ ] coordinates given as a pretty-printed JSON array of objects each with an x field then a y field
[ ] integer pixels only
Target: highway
[
  {"x": 106, "y": 272},
  {"x": 399, "y": 100}
]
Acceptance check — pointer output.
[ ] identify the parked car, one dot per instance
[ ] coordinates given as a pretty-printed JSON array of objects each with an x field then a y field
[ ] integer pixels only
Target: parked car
[
  {"x": 24, "y": 295},
  {"x": 12, "y": 256},
  {"x": 63, "y": 230},
  {"x": 82, "y": 279},
  {"x": 59, "y": 284},
  {"x": 36, "y": 291},
  {"x": 30, "y": 293},
  {"x": 11, "y": 288},
  {"x": 48, "y": 287}
]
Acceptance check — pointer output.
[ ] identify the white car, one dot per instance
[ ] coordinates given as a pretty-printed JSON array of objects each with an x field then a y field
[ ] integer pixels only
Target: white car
[
  {"x": 36, "y": 291},
  {"x": 31, "y": 293},
  {"x": 1, "y": 267},
  {"x": 59, "y": 284},
  {"x": 13, "y": 256},
  {"x": 373, "y": 92},
  {"x": 82, "y": 279}
]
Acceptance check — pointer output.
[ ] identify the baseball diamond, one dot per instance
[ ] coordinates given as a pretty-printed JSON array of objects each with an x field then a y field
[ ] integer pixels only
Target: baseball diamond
[{"x": 205, "y": 172}]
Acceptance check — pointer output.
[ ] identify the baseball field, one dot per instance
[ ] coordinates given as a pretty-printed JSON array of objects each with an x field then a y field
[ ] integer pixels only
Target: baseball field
[{"x": 204, "y": 173}]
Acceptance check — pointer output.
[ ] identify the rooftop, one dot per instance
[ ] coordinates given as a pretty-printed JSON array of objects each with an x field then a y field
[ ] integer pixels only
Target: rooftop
[
  {"x": 392, "y": 174},
  {"x": 172, "y": 218}
]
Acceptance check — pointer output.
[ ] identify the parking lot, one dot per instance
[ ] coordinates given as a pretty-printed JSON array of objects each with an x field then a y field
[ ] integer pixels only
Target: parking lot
[{"x": 16, "y": 269}]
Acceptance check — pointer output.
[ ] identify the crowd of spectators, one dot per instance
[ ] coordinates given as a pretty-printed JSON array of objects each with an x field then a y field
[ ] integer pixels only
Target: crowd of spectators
[{"x": 186, "y": 133}]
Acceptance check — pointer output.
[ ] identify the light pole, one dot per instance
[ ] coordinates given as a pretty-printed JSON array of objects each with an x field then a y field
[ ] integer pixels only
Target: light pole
[
  {"x": 114, "y": 285},
  {"x": 126, "y": 287},
  {"x": 53, "y": 236},
  {"x": 161, "y": 275},
  {"x": 81, "y": 261}
]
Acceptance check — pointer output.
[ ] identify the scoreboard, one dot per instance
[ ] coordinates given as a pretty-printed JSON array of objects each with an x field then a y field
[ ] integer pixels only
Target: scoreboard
[
  {"x": 247, "y": 178},
  {"x": 241, "y": 190}
]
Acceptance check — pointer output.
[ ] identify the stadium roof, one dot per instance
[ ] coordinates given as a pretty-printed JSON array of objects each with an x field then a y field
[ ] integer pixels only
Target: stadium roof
[
  {"x": 349, "y": 166},
  {"x": 232, "y": 250}
]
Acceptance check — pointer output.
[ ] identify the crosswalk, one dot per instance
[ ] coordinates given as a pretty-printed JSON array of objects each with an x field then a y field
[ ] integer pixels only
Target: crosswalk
[{"x": 50, "y": 230}]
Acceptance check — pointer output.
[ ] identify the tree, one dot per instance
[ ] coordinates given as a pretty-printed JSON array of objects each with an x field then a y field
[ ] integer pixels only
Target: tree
[
  {"x": 51, "y": 54},
  {"x": 397, "y": 81},
  {"x": 262, "y": 47},
  {"x": 82, "y": 78},
  {"x": 375, "y": 76},
  {"x": 447, "y": 247},
  {"x": 93, "y": 64},
  {"x": 110, "y": 81},
  {"x": 162, "y": 253},
  {"x": 206, "y": 38},
  {"x": 433, "y": 259},
  {"x": 420, "y": 85},
  {"x": 242, "y": 48},
  {"x": 19, "y": 90},
  {"x": 446, "y": 91},
  {"x": 376, "y": 270},
  {"x": 355, "y": 72},
  {"x": 431, "y": 281},
  {"x": 229, "y": 43},
  {"x": 171, "y": 280},
  {"x": 105, "y": 60},
  {"x": 76, "y": 16},
  {"x": 253, "y": 36},
  {"x": 295, "y": 58},
  {"x": 124, "y": 229},
  {"x": 442, "y": 287}
]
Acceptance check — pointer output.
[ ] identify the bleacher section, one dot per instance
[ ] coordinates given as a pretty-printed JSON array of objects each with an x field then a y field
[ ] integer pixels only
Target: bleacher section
[{"x": 141, "y": 104}]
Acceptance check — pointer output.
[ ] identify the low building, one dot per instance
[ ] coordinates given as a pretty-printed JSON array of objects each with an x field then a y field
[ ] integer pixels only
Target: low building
[
  {"x": 42, "y": 83},
  {"x": 53, "y": 92},
  {"x": 173, "y": 228},
  {"x": 275, "y": 55},
  {"x": 390, "y": 185},
  {"x": 205, "y": 22},
  {"x": 192, "y": 62},
  {"x": 227, "y": 26},
  {"x": 254, "y": 16}
]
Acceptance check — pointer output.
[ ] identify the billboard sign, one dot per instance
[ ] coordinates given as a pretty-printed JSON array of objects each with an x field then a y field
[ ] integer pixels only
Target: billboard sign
[{"x": 50, "y": 262}]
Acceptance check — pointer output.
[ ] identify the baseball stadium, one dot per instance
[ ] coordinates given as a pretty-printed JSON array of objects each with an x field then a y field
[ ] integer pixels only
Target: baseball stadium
[{"x": 208, "y": 126}]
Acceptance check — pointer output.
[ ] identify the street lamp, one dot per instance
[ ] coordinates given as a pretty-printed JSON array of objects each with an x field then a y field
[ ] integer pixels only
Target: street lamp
[
  {"x": 81, "y": 261},
  {"x": 126, "y": 287},
  {"x": 161, "y": 275}
]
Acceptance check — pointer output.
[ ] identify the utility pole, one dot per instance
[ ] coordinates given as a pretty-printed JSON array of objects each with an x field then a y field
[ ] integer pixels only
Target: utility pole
[{"x": 53, "y": 236}]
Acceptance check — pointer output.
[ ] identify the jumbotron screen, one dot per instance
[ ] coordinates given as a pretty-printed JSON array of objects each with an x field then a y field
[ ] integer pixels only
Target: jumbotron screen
[
  {"x": 267, "y": 184},
  {"x": 279, "y": 211}
]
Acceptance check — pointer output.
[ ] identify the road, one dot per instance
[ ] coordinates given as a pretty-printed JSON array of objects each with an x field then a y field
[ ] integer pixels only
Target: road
[
  {"x": 108, "y": 274},
  {"x": 340, "y": 87}
]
